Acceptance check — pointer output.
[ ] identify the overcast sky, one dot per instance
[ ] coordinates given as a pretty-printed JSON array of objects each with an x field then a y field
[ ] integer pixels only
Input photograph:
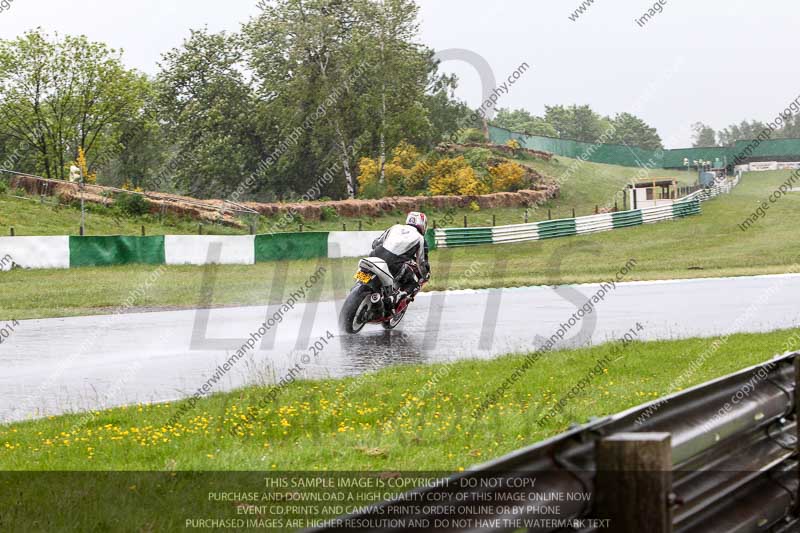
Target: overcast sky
[{"x": 716, "y": 61}]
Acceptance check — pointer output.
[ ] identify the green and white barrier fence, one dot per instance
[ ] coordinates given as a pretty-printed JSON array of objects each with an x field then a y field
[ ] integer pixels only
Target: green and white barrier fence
[
  {"x": 71, "y": 252},
  {"x": 550, "y": 229}
]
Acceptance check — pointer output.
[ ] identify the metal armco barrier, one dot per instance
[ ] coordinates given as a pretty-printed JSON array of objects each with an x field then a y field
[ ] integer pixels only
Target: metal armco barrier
[
  {"x": 551, "y": 229},
  {"x": 715, "y": 458}
]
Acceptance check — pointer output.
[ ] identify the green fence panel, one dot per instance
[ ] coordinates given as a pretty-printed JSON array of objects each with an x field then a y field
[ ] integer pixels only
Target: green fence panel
[
  {"x": 685, "y": 209},
  {"x": 550, "y": 229},
  {"x": 467, "y": 236},
  {"x": 612, "y": 154},
  {"x": 769, "y": 150},
  {"x": 430, "y": 238},
  {"x": 675, "y": 158},
  {"x": 626, "y": 219},
  {"x": 116, "y": 250},
  {"x": 634, "y": 156},
  {"x": 282, "y": 246}
]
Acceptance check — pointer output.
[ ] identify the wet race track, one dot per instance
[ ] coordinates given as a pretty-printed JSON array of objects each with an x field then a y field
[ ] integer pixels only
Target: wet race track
[{"x": 57, "y": 365}]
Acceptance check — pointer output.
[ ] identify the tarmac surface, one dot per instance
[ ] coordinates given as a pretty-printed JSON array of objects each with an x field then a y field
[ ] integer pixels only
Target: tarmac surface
[{"x": 60, "y": 365}]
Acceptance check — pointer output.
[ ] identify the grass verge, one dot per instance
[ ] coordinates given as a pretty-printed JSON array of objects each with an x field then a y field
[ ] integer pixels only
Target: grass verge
[{"x": 402, "y": 418}]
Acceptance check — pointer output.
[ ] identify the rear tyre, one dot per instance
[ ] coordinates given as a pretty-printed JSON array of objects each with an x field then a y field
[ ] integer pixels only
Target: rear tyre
[{"x": 352, "y": 317}]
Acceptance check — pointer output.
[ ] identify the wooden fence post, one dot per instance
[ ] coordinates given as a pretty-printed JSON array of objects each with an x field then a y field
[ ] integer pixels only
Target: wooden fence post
[
  {"x": 359, "y": 225},
  {"x": 199, "y": 229},
  {"x": 12, "y": 231},
  {"x": 465, "y": 221},
  {"x": 526, "y": 215},
  {"x": 143, "y": 233},
  {"x": 634, "y": 482},
  {"x": 494, "y": 220}
]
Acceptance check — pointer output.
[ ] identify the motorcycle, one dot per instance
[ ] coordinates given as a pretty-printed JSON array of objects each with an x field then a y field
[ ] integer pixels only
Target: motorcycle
[{"x": 377, "y": 297}]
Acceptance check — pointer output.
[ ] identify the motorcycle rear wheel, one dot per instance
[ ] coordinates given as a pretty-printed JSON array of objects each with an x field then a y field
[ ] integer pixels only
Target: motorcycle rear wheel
[{"x": 354, "y": 309}]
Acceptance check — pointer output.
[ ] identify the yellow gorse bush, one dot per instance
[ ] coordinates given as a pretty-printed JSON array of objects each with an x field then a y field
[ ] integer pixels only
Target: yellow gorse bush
[
  {"x": 408, "y": 172},
  {"x": 455, "y": 176},
  {"x": 507, "y": 176},
  {"x": 81, "y": 164}
]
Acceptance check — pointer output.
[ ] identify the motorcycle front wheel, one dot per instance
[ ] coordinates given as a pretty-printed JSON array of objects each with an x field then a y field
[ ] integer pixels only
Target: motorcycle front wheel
[
  {"x": 353, "y": 316},
  {"x": 395, "y": 320}
]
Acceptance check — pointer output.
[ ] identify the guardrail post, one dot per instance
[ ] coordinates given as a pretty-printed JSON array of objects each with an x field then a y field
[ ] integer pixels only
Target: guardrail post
[
  {"x": 797, "y": 411},
  {"x": 634, "y": 481}
]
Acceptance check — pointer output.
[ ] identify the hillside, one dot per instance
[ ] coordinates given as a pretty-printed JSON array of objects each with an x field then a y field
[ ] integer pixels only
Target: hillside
[{"x": 583, "y": 186}]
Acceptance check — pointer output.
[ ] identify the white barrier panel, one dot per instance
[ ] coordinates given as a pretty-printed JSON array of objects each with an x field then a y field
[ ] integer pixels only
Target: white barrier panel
[
  {"x": 594, "y": 223},
  {"x": 514, "y": 233},
  {"x": 197, "y": 250},
  {"x": 764, "y": 165},
  {"x": 34, "y": 252},
  {"x": 656, "y": 214},
  {"x": 351, "y": 243}
]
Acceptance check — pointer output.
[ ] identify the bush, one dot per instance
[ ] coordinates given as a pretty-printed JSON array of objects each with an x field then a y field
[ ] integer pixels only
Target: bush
[
  {"x": 132, "y": 204},
  {"x": 507, "y": 177},
  {"x": 455, "y": 177},
  {"x": 478, "y": 157},
  {"x": 513, "y": 144},
  {"x": 3, "y": 187},
  {"x": 472, "y": 135},
  {"x": 328, "y": 213}
]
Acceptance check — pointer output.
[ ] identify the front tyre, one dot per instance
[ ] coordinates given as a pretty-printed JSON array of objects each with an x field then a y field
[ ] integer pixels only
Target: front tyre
[
  {"x": 395, "y": 320},
  {"x": 352, "y": 319}
]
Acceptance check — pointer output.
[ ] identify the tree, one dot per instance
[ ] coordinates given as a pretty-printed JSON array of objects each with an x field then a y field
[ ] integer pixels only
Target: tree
[
  {"x": 348, "y": 81},
  {"x": 59, "y": 94},
  {"x": 210, "y": 112},
  {"x": 747, "y": 130},
  {"x": 522, "y": 121},
  {"x": 704, "y": 135},
  {"x": 578, "y": 123},
  {"x": 630, "y": 130},
  {"x": 309, "y": 62}
]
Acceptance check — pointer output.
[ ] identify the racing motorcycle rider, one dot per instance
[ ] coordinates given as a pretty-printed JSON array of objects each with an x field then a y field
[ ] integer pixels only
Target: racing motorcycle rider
[{"x": 402, "y": 243}]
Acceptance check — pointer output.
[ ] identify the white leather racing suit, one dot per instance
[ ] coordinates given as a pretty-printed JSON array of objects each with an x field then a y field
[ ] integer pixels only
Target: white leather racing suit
[{"x": 399, "y": 244}]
